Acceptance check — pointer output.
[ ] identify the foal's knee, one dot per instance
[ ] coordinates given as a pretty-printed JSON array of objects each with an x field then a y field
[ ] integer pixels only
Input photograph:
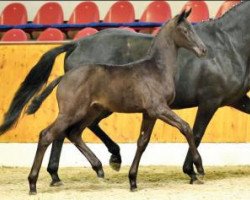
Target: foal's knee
[{"x": 142, "y": 143}]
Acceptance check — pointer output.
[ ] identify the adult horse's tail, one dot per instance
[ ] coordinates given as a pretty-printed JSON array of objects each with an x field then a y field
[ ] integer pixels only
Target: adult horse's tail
[{"x": 33, "y": 82}]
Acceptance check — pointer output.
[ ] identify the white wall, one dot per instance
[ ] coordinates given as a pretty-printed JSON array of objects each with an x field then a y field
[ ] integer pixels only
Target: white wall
[
  {"x": 68, "y": 6},
  {"x": 22, "y": 155}
]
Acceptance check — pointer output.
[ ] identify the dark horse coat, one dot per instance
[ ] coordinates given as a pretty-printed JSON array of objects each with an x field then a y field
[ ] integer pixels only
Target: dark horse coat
[
  {"x": 145, "y": 86},
  {"x": 222, "y": 79}
]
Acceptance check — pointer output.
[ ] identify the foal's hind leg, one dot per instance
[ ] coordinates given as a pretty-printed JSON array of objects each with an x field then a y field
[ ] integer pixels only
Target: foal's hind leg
[
  {"x": 203, "y": 117},
  {"x": 146, "y": 131},
  {"x": 75, "y": 138},
  {"x": 115, "y": 159},
  {"x": 46, "y": 137},
  {"x": 168, "y": 116},
  {"x": 113, "y": 148}
]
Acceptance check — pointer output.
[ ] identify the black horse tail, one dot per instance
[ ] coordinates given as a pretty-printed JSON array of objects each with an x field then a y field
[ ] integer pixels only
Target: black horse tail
[
  {"x": 33, "y": 83},
  {"x": 38, "y": 100}
]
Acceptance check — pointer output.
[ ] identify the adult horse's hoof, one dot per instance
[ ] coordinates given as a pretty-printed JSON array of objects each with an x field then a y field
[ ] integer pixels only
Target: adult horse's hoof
[
  {"x": 115, "y": 162},
  {"x": 56, "y": 183},
  {"x": 115, "y": 166}
]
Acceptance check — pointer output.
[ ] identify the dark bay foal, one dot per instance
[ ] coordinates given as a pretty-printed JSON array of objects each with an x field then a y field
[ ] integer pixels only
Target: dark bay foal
[{"x": 146, "y": 86}]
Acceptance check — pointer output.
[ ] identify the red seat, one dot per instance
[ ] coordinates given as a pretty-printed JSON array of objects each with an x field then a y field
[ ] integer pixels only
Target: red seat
[
  {"x": 85, "y": 32},
  {"x": 156, "y": 31},
  {"x": 14, "y": 35},
  {"x": 157, "y": 11},
  {"x": 120, "y": 12},
  {"x": 51, "y": 34},
  {"x": 226, "y": 5},
  {"x": 127, "y": 28},
  {"x": 85, "y": 12},
  {"x": 14, "y": 14},
  {"x": 49, "y": 13},
  {"x": 199, "y": 12}
]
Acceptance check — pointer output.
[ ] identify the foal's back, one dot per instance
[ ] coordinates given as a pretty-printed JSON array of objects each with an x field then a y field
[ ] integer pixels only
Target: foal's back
[{"x": 127, "y": 88}]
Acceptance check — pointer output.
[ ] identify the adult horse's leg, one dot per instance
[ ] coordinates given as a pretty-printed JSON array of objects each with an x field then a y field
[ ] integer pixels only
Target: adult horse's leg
[
  {"x": 115, "y": 159},
  {"x": 243, "y": 104},
  {"x": 54, "y": 162},
  {"x": 146, "y": 130},
  {"x": 168, "y": 116},
  {"x": 203, "y": 117}
]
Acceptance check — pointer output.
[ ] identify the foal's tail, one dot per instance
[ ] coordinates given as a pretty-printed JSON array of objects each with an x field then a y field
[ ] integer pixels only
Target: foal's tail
[
  {"x": 38, "y": 100},
  {"x": 33, "y": 83}
]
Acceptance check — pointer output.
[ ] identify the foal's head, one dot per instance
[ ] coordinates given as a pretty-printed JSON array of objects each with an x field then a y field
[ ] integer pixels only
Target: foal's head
[{"x": 185, "y": 36}]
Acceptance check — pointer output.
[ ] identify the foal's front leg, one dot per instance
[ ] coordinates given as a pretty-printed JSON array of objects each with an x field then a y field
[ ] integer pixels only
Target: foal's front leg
[
  {"x": 204, "y": 115},
  {"x": 169, "y": 117},
  {"x": 146, "y": 131}
]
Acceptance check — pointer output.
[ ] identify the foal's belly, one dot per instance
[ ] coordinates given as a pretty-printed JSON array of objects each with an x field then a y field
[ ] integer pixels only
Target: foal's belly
[{"x": 121, "y": 103}]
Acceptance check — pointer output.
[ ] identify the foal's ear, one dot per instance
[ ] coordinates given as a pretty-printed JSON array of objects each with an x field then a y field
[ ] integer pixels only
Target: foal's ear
[
  {"x": 188, "y": 13},
  {"x": 181, "y": 17}
]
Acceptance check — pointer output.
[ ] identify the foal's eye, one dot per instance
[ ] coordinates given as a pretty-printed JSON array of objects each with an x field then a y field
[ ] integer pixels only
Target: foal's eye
[{"x": 185, "y": 31}]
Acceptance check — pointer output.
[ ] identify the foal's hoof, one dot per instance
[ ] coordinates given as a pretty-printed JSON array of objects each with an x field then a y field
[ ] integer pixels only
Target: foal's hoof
[
  {"x": 200, "y": 177},
  {"x": 115, "y": 162},
  {"x": 32, "y": 193},
  {"x": 56, "y": 183},
  {"x": 196, "y": 182},
  {"x": 100, "y": 173}
]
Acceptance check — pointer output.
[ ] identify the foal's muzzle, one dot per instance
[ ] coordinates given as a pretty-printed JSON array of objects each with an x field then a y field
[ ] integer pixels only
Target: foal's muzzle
[{"x": 200, "y": 52}]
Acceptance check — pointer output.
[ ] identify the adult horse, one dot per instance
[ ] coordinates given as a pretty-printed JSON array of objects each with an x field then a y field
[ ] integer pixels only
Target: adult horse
[
  {"x": 220, "y": 80},
  {"x": 145, "y": 86}
]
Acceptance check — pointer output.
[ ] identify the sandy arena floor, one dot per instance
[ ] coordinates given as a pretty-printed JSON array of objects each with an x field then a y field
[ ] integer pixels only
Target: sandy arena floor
[{"x": 156, "y": 182}]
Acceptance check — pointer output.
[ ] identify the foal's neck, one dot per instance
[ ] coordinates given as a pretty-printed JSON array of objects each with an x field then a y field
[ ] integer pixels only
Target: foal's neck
[{"x": 163, "y": 52}]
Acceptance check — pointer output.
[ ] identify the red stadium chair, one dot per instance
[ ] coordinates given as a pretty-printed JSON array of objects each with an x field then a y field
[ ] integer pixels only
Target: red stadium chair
[
  {"x": 226, "y": 5},
  {"x": 120, "y": 12},
  {"x": 85, "y": 12},
  {"x": 51, "y": 34},
  {"x": 85, "y": 32},
  {"x": 49, "y": 13},
  {"x": 199, "y": 12},
  {"x": 14, "y": 14},
  {"x": 155, "y": 32},
  {"x": 14, "y": 35},
  {"x": 157, "y": 11},
  {"x": 127, "y": 28}
]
